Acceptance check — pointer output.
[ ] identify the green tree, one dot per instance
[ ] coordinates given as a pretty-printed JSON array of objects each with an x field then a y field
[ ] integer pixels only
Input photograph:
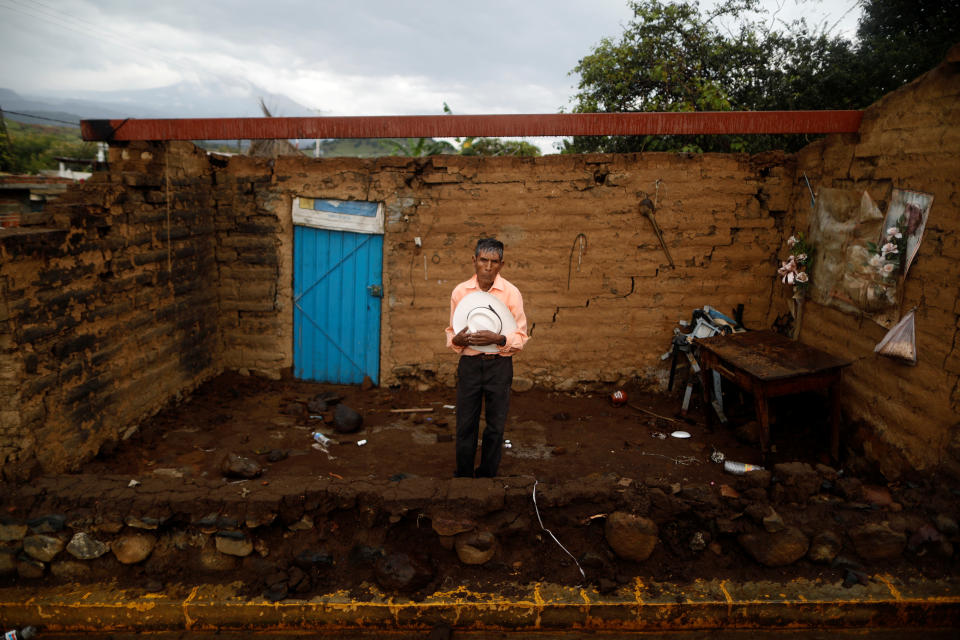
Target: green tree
[
  {"x": 418, "y": 147},
  {"x": 673, "y": 57},
  {"x": 474, "y": 146}
]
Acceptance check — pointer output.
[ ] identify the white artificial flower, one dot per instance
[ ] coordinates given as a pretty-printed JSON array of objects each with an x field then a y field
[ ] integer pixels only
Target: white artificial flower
[
  {"x": 791, "y": 241},
  {"x": 888, "y": 268},
  {"x": 802, "y": 277},
  {"x": 801, "y": 257},
  {"x": 892, "y": 231},
  {"x": 888, "y": 249},
  {"x": 876, "y": 260}
]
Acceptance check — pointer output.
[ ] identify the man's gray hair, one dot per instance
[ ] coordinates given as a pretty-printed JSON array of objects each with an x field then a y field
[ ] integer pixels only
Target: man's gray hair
[{"x": 489, "y": 244}]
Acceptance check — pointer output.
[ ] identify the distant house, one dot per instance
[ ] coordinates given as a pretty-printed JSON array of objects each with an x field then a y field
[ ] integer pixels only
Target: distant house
[{"x": 23, "y": 194}]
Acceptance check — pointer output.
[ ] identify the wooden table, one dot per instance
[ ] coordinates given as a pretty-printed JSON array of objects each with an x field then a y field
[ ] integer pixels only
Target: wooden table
[{"x": 767, "y": 365}]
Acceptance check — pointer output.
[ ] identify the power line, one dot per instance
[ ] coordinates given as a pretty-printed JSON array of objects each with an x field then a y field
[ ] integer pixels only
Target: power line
[
  {"x": 30, "y": 115},
  {"x": 65, "y": 21}
]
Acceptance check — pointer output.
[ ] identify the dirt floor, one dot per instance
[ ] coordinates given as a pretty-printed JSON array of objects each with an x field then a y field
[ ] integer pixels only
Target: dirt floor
[{"x": 553, "y": 436}]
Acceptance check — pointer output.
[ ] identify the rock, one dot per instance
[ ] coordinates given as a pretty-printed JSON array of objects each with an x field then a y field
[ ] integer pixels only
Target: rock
[
  {"x": 143, "y": 522},
  {"x": 775, "y": 549},
  {"x": 926, "y": 533},
  {"x": 879, "y": 496},
  {"x": 874, "y": 541},
  {"x": 475, "y": 547},
  {"x": 317, "y": 405},
  {"x": 521, "y": 385},
  {"x": 276, "y": 455},
  {"x": 451, "y": 525},
  {"x": 772, "y": 522},
  {"x": 400, "y": 572},
  {"x": 829, "y": 474},
  {"x": 295, "y": 409},
  {"x": 346, "y": 420},
  {"x": 308, "y": 560},
  {"x": 699, "y": 541},
  {"x": 798, "y": 481},
  {"x": 237, "y": 466},
  {"x": 748, "y": 432},
  {"x": 133, "y": 548},
  {"x": 12, "y": 532},
  {"x": 29, "y": 568},
  {"x": 8, "y": 563},
  {"x": 52, "y": 523},
  {"x": 850, "y": 488},
  {"x": 364, "y": 556},
  {"x": 70, "y": 569},
  {"x": 213, "y": 560},
  {"x": 305, "y": 523},
  {"x": 824, "y": 547},
  {"x": 631, "y": 537},
  {"x": 43, "y": 548},
  {"x": 945, "y": 524},
  {"x": 234, "y": 545},
  {"x": 367, "y": 384}
]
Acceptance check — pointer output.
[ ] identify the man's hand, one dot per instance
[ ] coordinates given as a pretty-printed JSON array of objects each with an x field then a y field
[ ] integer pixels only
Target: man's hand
[{"x": 478, "y": 339}]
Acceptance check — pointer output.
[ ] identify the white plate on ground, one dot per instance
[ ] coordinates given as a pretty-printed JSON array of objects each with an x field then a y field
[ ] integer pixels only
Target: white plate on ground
[{"x": 680, "y": 434}]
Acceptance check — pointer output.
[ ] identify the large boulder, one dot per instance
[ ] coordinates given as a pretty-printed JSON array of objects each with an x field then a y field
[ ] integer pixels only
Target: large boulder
[
  {"x": 631, "y": 537},
  {"x": 877, "y": 541},
  {"x": 775, "y": 549}
]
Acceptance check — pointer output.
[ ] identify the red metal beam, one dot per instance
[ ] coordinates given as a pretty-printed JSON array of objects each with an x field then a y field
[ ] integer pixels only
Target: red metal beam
[{"x": 449, "y": 126}]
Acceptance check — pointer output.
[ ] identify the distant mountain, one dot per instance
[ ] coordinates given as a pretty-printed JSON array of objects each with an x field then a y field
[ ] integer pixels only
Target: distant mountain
[{"x": 183, "y": 100}]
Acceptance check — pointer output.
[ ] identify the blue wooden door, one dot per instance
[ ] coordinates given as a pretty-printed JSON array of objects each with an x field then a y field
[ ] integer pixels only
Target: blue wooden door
[{"x": 337, "y": 289}]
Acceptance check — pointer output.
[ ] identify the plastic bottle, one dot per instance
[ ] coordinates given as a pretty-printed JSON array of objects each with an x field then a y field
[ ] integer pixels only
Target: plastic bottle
[
  {"x": 20, "y": 634},
  {"x": 739, "y": 468}
]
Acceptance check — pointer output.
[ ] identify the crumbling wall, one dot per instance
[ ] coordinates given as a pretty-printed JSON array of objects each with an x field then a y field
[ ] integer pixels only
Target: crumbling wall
[
  {"x": 600, "y": 293},
  {"x": 908, "y": 140},
  {"x": 109, "y": 307}
]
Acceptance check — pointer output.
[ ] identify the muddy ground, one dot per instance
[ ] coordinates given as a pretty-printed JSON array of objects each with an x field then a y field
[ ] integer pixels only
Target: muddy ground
[{"x": 555, "y": 438}]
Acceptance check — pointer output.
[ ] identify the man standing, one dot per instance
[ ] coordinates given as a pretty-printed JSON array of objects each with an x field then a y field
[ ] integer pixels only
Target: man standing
[{"x": 485, "y": 370}]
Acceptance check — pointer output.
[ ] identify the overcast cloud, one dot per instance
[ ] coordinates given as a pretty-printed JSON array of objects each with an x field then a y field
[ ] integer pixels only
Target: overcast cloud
[{"x": 360, "y": 57}]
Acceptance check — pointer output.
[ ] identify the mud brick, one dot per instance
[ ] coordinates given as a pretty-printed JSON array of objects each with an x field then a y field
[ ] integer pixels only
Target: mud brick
[
  {"x": 37, "y": 385},
  {"x": 73, "y": 345},
  {"x": 34, "y": 334},
  {"x": 103, "y": 356},
  {"x": 71, "y": 372},
  {"x": 108, "y": 311},
  {"x": 259, "y": 259},
  {"x": 141, "y": 180},
  {"x": 82, "y": 391},
  {"x": 150, "y": 257}
]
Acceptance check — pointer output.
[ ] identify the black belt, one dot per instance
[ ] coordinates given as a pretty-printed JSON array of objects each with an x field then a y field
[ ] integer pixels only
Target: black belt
[{"x": 485, "y": 356}]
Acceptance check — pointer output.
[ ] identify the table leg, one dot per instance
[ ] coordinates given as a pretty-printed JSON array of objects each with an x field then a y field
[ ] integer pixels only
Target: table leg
[
  {"x": 705, "y": 393},
  {"x": 763, "y": 417},
  {"x": 834, "y": 399}
]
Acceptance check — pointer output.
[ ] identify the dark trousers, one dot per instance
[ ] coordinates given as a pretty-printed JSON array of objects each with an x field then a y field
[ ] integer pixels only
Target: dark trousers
[{"x": 482, "y": 380}]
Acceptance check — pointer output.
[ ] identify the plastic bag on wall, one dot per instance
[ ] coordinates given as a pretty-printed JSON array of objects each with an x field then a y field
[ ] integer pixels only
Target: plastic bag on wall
[{"x": 900, "y": 343}]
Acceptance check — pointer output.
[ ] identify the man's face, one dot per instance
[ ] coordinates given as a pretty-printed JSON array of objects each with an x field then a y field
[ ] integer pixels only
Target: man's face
[{"x": 488, "y": 265}]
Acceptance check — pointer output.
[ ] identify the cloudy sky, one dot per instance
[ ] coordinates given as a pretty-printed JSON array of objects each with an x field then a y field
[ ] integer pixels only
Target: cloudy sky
[{"x": 354, "y": 57}]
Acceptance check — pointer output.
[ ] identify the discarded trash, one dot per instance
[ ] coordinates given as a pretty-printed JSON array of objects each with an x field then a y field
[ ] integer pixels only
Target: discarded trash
[
  {"x": 507, "y": 444},
  {"x": 449, "y": 406},
  {"x": 658, "y": 435},
  {"x": 413, "y": 410},
  {"x": 322, "y": 439},
  {"x": 680, "y": 434},
  {"x": 718, "y": 456},
  {"x": 20, "y": 634},
  {"x": 133, "y": 483},
  {"x": 360, "y": 443},
  {"x": 739, "y": 468}
]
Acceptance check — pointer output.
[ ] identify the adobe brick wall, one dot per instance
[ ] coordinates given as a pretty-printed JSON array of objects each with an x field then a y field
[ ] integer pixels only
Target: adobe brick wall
[
  {"x": 604, "y": 315},
  {"x": 110, "y": 308},
  {"x": 908, "y": 140}
]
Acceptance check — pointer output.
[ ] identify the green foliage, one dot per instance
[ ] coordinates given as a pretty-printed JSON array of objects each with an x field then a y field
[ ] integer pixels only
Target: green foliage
[
  {"x": 473, "y": 146},
  {"x": 418, "y": 147},
  {"x": 30, "y": 148},
  {"x": 673, "y": 57}
]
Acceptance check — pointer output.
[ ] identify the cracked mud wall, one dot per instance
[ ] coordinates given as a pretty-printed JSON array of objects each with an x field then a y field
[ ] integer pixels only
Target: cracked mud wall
[
  {"x": 599, "y": 291},
  {"x": 910, "y": 139}
]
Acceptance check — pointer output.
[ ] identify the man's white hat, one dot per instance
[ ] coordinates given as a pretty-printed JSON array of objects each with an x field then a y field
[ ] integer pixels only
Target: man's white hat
[{"x": 482, "y": 310}]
